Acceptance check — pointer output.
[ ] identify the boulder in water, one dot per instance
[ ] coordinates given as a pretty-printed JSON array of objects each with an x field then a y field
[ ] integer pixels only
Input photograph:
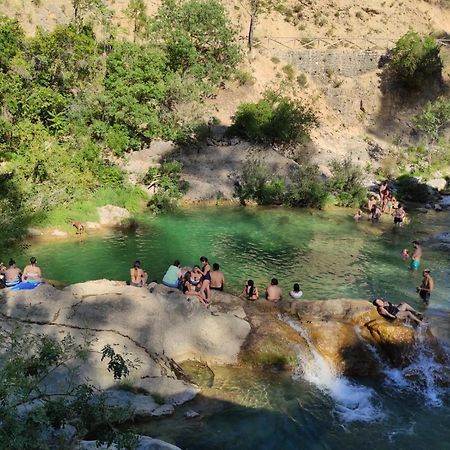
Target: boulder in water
[{"x": 113, "y": 216}]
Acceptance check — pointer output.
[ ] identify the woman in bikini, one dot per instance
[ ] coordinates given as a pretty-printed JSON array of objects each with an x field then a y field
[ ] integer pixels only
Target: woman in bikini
[
  {"x": 250, "y": 291},
  {"x": 206, "y": 277},
  {"x": 137, "y": 275},
  {"x": 189, "y": 289},
  {"x": 32, "y": 272}
]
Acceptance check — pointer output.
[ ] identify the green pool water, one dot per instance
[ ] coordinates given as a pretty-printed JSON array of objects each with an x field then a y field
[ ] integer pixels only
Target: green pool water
[
  {"x": 331, "y": 256},
  {"x": 326, "y": 252}
]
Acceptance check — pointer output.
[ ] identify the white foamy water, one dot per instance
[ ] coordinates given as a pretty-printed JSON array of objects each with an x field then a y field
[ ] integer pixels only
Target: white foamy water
[
  {"x": 421, "y": 376},
  {"x": 353, "y": 402}
]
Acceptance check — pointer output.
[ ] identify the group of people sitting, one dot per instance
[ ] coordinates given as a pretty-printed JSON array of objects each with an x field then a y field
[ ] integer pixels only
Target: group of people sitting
[
  {"x": 273, "y": 292},
  {"x": 385, "y": 203},
  {"x": 194, "y": 282},
  {"x": 13, "y": 277}
]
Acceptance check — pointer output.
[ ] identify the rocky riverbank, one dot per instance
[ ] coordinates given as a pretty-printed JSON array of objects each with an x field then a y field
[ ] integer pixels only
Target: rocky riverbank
[{"x": 162, "y": 332}]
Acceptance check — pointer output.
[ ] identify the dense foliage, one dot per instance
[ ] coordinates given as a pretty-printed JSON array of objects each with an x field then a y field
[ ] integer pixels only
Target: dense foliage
[
  {"x": 416, "y": 60},
  {"x": 274, "y": 119},
  {"x": 305, "y": 185},
  {"x": 70, "y": 104},
  {"x": 166, "y": 184},
  {"x": 32, "y": 415}
]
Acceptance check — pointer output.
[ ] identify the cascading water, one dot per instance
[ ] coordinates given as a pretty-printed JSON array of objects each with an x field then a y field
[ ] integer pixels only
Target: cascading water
[
  {"x": 352, "y": 402},
  {"x": 423, "y": 376}
]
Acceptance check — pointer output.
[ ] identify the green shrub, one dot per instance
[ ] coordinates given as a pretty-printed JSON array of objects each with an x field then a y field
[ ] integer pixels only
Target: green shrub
[
  {"x": 11, "y": 40},
  {"x": 415, "y": 60},
  {"x": 168, "y": 186},
  {"x": 308, "y": 188},
  {"x": 434, "y": 119},
  {"x": 346, "y": 183},
  {"x": 274, "y": 120}
]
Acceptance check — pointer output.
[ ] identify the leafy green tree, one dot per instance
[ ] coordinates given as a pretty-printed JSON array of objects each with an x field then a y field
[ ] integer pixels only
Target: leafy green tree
[
  {"x": 29, "y": 411},
  {"x": 198, "y": 32},
  {"x": 11, "y": 40},
  {"x": 137, "y": 12},
  {"x": 83, "y": 8},
  {"x": 415, "y": 60},
  {"x": 434, "y": 119}
]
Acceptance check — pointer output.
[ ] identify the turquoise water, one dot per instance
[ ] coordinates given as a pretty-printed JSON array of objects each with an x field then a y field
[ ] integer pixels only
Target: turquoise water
[
  {"x": 331, "y": 257},
  {"x": 326, "y": 252}
]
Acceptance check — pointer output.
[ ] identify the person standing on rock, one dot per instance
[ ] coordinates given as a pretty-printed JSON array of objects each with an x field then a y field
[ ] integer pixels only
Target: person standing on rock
[
  {"x": 206, "y": 277},
  {"x": 426, "y": 287},
  {"x": 137, "y": 275},
  {"x": 217, "y": 278}
]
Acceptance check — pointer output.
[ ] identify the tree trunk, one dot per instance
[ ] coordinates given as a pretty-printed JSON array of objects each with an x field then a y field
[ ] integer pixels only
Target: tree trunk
[{"x": 251, "y": 29}]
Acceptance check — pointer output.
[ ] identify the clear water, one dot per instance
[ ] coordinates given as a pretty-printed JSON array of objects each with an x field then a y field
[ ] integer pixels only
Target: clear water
[{"x": 331, "y": 257}]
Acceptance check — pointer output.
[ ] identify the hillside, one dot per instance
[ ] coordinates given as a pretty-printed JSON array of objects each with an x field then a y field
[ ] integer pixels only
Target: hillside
[{"x": 354, "y": 114}]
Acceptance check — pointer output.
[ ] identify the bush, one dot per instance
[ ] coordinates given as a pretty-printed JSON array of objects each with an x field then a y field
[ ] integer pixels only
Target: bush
[
  {"x": 11, "y": 40},
  {"x": 434, "y": 119},
  {"x": 308, "y": 188},
  {"x": 168, "y": 186},
  {"x": 346, "y": 183},
  {"x": 274, "y": 120},
  {"x": 415, "y": 60}
]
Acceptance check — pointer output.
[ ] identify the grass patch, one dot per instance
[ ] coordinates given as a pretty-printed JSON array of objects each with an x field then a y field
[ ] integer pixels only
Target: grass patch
[{"x": 132, "y": 199}]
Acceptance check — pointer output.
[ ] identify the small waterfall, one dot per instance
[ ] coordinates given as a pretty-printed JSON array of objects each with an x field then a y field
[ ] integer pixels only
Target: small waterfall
[
  {"x": 353, "y": 402},
  {"x": 421, "y": 377}
]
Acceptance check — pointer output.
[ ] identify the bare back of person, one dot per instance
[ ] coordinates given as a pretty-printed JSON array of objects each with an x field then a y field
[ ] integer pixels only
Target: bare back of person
[
  {"x": 32, "y": 272},
  {"x": 273, "y": 293},
  {"x": 217, "y": 280}
]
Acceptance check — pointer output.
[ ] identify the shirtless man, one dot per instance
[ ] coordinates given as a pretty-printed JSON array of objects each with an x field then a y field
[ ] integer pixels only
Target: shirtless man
[
  {"x": 217, "y": 278},
  {"x": 416, "y": 256},
  {"x": 399, "y": 216},
  {"x": 274, "y": 292},
  {"x": 401, "y": 311},
  {"x": 12, "y": 274},
  {"x": 426, "y": 287}
]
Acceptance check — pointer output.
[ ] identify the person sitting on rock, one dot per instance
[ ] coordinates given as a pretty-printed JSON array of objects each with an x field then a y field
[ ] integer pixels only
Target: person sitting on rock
[
  {"x": 138, "y": 276},
  {"x": 402, "y": 311},
  {"x": 274, "y": 292},
  {"x": 189, "y": 290},
  {"x": 32, "y": 272},
  {"x": 296, "y": 293},
  {"x": 250, "y": 291},
  {"x": 173, "y": 277},
  {"x": 12, "y": 274},
  {"x": 217, "y": 278}
]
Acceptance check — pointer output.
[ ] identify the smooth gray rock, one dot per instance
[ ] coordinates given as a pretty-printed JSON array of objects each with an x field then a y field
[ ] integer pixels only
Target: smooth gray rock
[
  {"x": 112, "y": 216},
  {"x": 145, "y": 443},
  {"x": 140, "y": 405}
]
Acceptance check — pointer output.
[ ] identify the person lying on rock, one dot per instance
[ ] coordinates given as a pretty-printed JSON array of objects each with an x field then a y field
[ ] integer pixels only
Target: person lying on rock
[{"x": 402, "y": 311}]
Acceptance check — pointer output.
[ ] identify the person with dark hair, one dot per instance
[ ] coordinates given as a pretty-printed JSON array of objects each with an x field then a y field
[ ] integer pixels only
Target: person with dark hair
[
  {"x": 250, "y": 291},
  {"x": 173, "y": 277},
  {"x": 296, "y": 293},
  {"x": 206, "y": 277},
  {"x": 274, "y": 292},
  {"x": 375, "y": 213},
  {"x": 426, "y": 287},
  {"x": 416, "y": 256},
  {"x": 189, "y": 290},
  {"x": 217, "y": 278},
  {"x": 137, "y": 275},
  {"x": 32, "y": 272},
  {"x": 12, "y": 274},
  {"x": 399, "y": 216},
  {"x": 402, "y": 311}
]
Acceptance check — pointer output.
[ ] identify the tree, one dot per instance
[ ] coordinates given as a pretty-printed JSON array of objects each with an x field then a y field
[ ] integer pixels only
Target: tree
[
  {"x": 11, "y": 40},
  {"x": 81, "y": 8},
  {"x": 434, "y": 118},
  {"x": 415, "y": 60},
  {"x": 33, "y": 414},
  {"x": 136, "y": 11}
]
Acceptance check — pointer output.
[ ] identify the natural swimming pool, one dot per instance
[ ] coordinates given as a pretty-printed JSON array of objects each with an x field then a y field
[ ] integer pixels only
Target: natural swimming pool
[{"x": 331, "y": 257}]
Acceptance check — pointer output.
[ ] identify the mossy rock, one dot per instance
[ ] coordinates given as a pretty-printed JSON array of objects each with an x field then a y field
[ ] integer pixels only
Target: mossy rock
[{"x": 198, "y": 373}]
